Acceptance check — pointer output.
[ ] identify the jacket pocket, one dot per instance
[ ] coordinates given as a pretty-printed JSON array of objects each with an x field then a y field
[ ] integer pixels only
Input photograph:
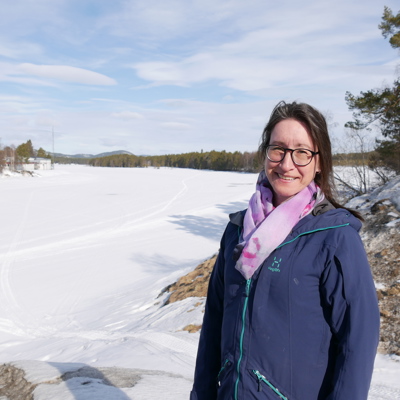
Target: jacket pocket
[
  {"x": 223, "y": 371},
  {"x": 263, "y": 382}
]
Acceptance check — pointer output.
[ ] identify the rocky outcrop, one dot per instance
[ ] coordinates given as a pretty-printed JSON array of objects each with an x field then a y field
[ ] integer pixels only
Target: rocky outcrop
[
  {"x": 381, "y": 237},
  {"x": 13, "y": 385},
  {"x": 39, "y": 380}
]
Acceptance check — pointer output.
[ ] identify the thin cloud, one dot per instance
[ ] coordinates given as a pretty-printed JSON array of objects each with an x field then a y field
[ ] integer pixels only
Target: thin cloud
[
  {"x": 66, "y": 73},
  {"x": 127, "y": 115},
  {"x": 175, "y": 126},
  {"x": 18, "y": 49}
]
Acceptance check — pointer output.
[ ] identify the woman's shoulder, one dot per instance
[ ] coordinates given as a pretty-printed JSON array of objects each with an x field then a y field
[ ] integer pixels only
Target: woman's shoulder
[
  {"x": 237, "y": 218},
  {"x": 339, "y": 217},
  {"x": 340, "y": 231}
]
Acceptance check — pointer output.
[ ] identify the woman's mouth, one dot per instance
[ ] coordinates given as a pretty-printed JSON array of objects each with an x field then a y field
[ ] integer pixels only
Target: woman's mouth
[{"x": 286, "y": 178}]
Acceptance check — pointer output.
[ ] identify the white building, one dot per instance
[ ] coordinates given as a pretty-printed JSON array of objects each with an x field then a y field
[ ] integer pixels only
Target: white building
[{"x": 37, "y": 163}]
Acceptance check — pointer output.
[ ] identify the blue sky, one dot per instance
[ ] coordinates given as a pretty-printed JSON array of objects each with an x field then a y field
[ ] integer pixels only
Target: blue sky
[{"x": 172, "y": 76}]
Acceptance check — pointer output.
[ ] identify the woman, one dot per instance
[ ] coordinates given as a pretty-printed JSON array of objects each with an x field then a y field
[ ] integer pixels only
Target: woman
[{"x": 291, "y": 309}]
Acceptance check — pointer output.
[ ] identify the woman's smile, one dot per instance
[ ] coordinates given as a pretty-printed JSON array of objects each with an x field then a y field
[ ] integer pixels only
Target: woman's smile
[{"x": 286, "y": 178}]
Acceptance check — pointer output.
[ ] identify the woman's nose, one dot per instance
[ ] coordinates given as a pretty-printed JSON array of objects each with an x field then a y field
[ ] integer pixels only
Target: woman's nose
[{"x": 287, "y": 163}]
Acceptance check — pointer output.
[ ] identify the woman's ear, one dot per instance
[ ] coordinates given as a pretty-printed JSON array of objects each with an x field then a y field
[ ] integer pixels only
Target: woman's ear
[{"x": 317, "y": 166}]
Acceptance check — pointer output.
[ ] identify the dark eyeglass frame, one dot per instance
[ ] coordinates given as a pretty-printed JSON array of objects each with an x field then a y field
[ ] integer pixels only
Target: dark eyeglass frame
[{"x": 285, "y": 150}]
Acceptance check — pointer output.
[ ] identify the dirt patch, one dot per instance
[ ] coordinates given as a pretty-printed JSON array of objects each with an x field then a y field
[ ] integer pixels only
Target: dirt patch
[{"x": 192, "y": 328}]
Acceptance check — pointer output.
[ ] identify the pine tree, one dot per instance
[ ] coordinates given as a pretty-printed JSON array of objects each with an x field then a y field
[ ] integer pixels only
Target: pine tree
[{"x": 381, "y": 106}]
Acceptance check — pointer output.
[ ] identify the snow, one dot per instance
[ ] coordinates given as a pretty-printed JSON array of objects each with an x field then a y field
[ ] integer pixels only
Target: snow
[
  {"x": 85, "y": 253},
  {"x": 393, "y": 223},
  {"x": 389, "y": 191}
]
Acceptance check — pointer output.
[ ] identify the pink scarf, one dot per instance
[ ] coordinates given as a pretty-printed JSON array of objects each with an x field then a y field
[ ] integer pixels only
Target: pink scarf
[{"x": 266, "y": 227}]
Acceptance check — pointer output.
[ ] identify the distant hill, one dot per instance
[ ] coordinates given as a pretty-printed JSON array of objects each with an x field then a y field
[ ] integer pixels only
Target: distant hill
[{"x": 110, "y": 153}]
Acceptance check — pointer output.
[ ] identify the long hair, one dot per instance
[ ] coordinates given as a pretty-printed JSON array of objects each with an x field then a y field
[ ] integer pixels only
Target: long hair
[{"x": 318, "y": 130}]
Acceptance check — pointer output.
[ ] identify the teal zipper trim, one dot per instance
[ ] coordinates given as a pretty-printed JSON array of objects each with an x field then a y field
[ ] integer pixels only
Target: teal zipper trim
[
  {"x": 262, "y": 378},
  {"x": 221, "y": 370},
  {"x": 315, "y": 230},
  {"x": 242, "y": 336}
]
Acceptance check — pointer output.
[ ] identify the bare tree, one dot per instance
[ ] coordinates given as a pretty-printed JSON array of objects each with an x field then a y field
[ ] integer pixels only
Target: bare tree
[{"x": 355, "y": 174}]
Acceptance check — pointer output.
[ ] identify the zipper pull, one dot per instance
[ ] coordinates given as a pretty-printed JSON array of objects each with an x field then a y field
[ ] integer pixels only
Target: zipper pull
[
  {"x": 247, "y": 290},
  {"x": 259, "y": 385}
]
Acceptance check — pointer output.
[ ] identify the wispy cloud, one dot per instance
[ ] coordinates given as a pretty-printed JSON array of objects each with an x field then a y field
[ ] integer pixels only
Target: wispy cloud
[
  {"x": 65, "y": 73},
  {"x": 127, "y": 115},
  {"x": 18, "y": 49}
]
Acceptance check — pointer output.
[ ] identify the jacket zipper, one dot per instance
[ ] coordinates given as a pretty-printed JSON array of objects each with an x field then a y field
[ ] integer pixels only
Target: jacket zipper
[
  {"x": 247, "y": 291},
  {"x": 261, "y": 378},
  {"x": 226, "y": 363},
  {"x": 313, "y": 231}
]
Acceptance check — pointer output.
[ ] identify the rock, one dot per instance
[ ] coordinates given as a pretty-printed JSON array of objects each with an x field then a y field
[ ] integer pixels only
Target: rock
[
  {"x": 39, "y": 380},
  {"x": 381, "y": 205},
  {"x": 382, "y": 244},
  {"x": 13, "y": 384}
]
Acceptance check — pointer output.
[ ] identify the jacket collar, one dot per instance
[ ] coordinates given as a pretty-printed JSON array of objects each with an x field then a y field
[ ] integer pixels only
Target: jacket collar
[{"x": 237, "y": 217}]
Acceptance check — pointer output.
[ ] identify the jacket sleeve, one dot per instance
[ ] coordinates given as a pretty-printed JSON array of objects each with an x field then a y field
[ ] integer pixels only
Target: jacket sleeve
[
  {"x": 350, "y": 301},
  {"x": 208, "y": 356}
]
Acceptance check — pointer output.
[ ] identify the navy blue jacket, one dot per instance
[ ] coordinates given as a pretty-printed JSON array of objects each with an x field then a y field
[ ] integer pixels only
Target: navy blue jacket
[{"x": 304, "y": 327}]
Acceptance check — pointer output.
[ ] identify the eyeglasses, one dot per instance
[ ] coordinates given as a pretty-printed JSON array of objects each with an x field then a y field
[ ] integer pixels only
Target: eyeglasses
[{"x": 300, "y": 157}]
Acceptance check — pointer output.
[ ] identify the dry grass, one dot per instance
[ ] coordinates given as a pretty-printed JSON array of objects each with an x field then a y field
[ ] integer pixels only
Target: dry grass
[
  {"x": 192, "y": 328},
  {"x": 194, "y": 284}
]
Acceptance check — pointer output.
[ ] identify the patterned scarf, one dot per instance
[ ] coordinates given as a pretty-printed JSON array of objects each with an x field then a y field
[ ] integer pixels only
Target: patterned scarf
[{"x": 266, "y": 227}]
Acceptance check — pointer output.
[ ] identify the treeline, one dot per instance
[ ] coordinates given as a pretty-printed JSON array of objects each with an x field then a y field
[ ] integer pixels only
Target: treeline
[
  {"x": 353, "y": 159},
  {"x": 71, "y": 160},
  {"x": 212, "y": 160}
]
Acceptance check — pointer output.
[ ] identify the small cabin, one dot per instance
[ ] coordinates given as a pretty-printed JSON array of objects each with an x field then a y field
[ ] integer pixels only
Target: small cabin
[{"x": 37, "y": 163}]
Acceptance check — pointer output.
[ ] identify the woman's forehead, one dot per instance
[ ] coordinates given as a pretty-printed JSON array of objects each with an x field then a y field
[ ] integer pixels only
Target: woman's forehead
[{"x": 293, "y": 132}]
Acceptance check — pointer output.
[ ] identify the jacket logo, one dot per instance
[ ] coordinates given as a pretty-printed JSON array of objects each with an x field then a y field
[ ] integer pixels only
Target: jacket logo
[{"x": 275, "y": 265}]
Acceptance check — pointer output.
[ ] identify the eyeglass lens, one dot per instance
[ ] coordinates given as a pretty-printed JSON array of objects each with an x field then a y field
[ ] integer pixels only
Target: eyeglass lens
[{"x": 299, "y": 156}]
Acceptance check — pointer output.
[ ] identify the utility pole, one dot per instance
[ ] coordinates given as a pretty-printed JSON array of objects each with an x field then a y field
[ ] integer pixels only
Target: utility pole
[{"x": 52, "y": 158}]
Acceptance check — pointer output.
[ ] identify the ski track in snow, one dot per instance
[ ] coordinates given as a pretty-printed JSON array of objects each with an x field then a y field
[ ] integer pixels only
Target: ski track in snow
[
  {"x": 15, "y": 314},
  {"x": 17, "y": 320},
  {"x": 96, "y": 235},
  {"x": 380, "y": 392}
]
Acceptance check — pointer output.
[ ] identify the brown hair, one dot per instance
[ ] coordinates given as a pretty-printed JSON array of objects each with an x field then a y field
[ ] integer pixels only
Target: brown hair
[{"x": 318, "y": 130}]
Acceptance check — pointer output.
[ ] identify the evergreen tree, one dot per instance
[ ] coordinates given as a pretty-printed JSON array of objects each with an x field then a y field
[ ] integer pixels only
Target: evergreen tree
[
  {"x": 24, "y": 151},
  {"x": 31, "y": 151},
  {"x": 41, "y": 153},
  {"x": 381, "y": 106}
]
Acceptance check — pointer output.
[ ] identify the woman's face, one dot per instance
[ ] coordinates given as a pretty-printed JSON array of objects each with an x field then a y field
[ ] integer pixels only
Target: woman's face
[{"x": 285, "y": 177}]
